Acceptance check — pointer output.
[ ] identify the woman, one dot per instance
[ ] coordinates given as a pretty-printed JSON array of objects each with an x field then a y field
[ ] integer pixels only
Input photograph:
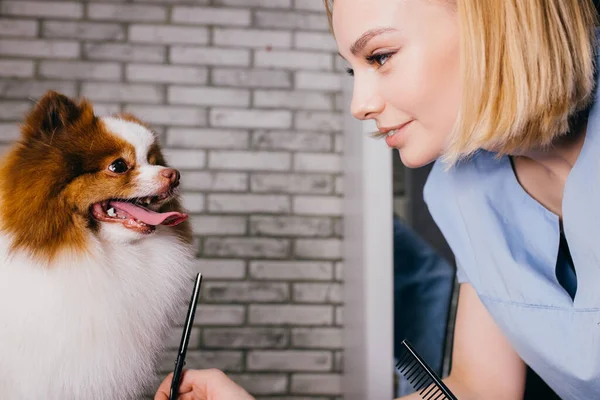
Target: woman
[{"x": 501, "y": 94}]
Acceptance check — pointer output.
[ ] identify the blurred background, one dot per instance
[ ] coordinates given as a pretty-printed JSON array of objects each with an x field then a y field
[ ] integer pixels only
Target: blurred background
[{"x": 247, "y": 98}]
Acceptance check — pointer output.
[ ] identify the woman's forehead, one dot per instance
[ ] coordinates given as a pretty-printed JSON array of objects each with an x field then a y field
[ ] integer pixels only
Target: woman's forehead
[{"x": 352, "y": 18}]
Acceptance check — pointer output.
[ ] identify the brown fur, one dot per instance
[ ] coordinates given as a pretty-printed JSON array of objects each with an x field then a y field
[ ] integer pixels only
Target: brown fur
[{"x": 58, "y": 169}]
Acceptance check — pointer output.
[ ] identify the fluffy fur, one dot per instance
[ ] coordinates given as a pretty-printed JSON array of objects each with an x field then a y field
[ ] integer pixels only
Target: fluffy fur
[{"x": 85, "y": 303}]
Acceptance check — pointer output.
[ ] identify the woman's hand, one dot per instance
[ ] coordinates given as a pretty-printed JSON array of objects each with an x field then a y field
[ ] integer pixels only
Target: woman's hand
[{"x": 206, "y": 384}]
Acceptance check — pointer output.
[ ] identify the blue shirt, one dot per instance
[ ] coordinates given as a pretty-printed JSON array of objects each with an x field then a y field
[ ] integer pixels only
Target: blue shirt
[{"x": 507, "y": 247}]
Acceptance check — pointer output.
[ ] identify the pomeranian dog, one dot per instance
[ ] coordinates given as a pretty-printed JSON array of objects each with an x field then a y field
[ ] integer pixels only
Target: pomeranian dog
[{"x": 95, "y": 255}]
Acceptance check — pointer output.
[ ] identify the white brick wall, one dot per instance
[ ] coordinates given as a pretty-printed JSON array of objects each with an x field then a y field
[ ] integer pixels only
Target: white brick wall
[{"x": 245, "y": 98}]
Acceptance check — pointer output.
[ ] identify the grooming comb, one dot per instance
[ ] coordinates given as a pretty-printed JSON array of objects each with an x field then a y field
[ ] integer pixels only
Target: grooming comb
[{"x": 421, "y": 377}]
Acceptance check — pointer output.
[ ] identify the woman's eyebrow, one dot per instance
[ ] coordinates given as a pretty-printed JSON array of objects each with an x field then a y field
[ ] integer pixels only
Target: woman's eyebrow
[{"x": 362, "y": 41}]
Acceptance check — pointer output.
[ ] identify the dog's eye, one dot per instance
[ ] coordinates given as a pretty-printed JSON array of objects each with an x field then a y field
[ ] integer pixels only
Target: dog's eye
[{"x": 119, "y": 166}]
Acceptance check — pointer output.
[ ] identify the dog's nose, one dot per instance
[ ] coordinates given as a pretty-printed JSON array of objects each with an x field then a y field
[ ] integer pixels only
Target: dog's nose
[{"x": 172, "y": 175}]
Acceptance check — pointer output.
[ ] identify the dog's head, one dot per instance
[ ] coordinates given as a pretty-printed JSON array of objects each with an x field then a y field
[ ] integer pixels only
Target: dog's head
[{"x": 74, "y": 173}]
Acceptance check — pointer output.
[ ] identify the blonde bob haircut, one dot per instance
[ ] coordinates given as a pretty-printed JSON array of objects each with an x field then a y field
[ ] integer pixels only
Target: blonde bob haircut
[{"x": 527, "y": 68}]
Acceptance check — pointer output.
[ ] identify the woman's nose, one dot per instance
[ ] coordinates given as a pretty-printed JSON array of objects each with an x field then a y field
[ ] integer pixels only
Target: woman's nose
[{"x": 366, "y": 102}]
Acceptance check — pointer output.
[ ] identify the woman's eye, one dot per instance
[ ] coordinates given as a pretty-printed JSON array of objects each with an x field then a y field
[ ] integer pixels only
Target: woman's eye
[
  {"x": 118, "y": 166},
  {"x": 379, "y": 59}
]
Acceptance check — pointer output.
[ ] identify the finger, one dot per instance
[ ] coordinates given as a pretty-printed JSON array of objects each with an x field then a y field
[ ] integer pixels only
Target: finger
[
  {"x": 162, "y": 393},
  {"x": 164, "y": 390}
]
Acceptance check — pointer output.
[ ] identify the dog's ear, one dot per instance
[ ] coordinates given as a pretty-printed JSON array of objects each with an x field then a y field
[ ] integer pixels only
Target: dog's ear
[{"x": 54, "y": 112}]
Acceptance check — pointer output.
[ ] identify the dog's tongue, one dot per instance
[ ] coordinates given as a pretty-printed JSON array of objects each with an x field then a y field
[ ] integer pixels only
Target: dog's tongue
[{"x": 150, "y": 217}]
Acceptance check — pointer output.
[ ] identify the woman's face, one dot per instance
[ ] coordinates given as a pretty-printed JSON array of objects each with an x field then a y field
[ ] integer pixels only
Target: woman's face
[{"x": 404, "y": 55}]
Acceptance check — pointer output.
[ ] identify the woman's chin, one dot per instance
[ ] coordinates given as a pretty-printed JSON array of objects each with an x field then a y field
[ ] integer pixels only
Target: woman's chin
[{"x": 416, "y": 158}]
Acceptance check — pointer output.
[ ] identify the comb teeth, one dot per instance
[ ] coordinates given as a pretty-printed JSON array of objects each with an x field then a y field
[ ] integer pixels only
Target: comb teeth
[{"x": 421, "y": 376}]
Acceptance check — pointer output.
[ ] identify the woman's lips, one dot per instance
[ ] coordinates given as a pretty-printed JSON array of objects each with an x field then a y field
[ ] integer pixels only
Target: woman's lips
[{"x": 395, "y": 136}]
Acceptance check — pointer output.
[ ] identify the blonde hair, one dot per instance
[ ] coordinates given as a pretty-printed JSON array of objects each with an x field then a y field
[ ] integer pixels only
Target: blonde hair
[{"x": 527, "y": 68}]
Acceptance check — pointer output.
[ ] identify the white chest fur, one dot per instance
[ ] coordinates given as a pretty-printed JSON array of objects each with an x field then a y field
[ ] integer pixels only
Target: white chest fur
[{"x": 89, "y": 328}]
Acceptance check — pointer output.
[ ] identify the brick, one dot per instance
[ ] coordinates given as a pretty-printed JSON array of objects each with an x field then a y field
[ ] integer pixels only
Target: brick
[
  {"x": 122, "y": 92},
  {"x": 339, "y": 185},
  {"x": 289, "y": 226},
  {"x": 290, "y": 140},
  {"x": 253, "y": 78},
  {"x": 124, "y": 52},
  {"x": 169, "y": 115},
  {"x": 102, "y": 109},
  {"x": 255, "y": 161},
  {"x": 83, "y": 30},
  {"x": 262, "y": 383},
  {"x": 339, "y": 271},
  {"x": 315, "y": 162},
  {"x": 218, "y": 225},
  {"x": 223, "y": 360},
  {"x": 180, "y": 54},
  {"x": 318, "y": 248},
  {"x": 211, "y": 16},
  {"x": 39, "y": 48},
  {"x": 26, "y": 89},
  {"x": 291, "y": 183},
  {"x": 18, "y": 27},
  {"x": 166, "y": 74},
  {"x": 317, "y": 205},
  {"x": 317, "y": 338},
  {"x": 338, "y": 143},
  {"x": 212, "y": 314},
  {"x": 324, "y": 384},
  {"x": 244, "y": 292},
  {"x": 317, "y": 293},
  {"x": 339, "y": 315},
  {"x": 185, "y": 159},
  {"x": 318, "y": 121},
  {"x": 221, "y": 269},
  {"x": 127, "y": 12},
  {"x": 174, "y": 337},
  {"x": 214, "y": 181},
  {"x": 330, "y": 81},
  {"x": 9, "y": 132},
  {"x": 338, "y": 227},
  {"x": 252, "y": 38},
  {"x": 207, "y": 138},
  {"x": 290, "y": 270},
  {"x": 247, "y": 247},
  {"x": 315, "y": 41},
  {"x": 193, "y": 202},
  {"x": 16, "y": 68},
  {"x": 293, "y": 60},
  {"x": 14, "y": 110},
  {"x": 42, "y": 9},
  {"x": 292, "y": 20},
  {"x": 238, "y": 118},
  {"x": 249, "y": 338},
  {"x": 248, "y": 203},
  {"x": 286, "y": 314},
  {"x": 340, "y": 102},
  {"x": 255, "y": 3},
  {"x": 208, "y": 96},
  {"x": 309, "y": 5},
  {"x": 289, "y": 360},
  {"x": 80, "y": 70},
  {"x": 168, "y": 34},
  {"x": 338, "y": 361},
  {"x": 302, "y": 100}
]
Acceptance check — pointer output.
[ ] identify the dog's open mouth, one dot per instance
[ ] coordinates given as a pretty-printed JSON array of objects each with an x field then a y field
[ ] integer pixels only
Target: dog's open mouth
[{"x": 135, "y": 214}]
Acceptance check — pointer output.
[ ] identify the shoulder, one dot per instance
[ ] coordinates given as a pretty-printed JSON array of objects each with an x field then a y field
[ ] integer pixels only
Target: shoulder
[{"x": 468, "y": 180}]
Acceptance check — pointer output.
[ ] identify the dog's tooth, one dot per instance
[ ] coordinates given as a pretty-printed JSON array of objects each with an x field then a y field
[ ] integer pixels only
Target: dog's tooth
[{"x": 111, "y": 212}]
